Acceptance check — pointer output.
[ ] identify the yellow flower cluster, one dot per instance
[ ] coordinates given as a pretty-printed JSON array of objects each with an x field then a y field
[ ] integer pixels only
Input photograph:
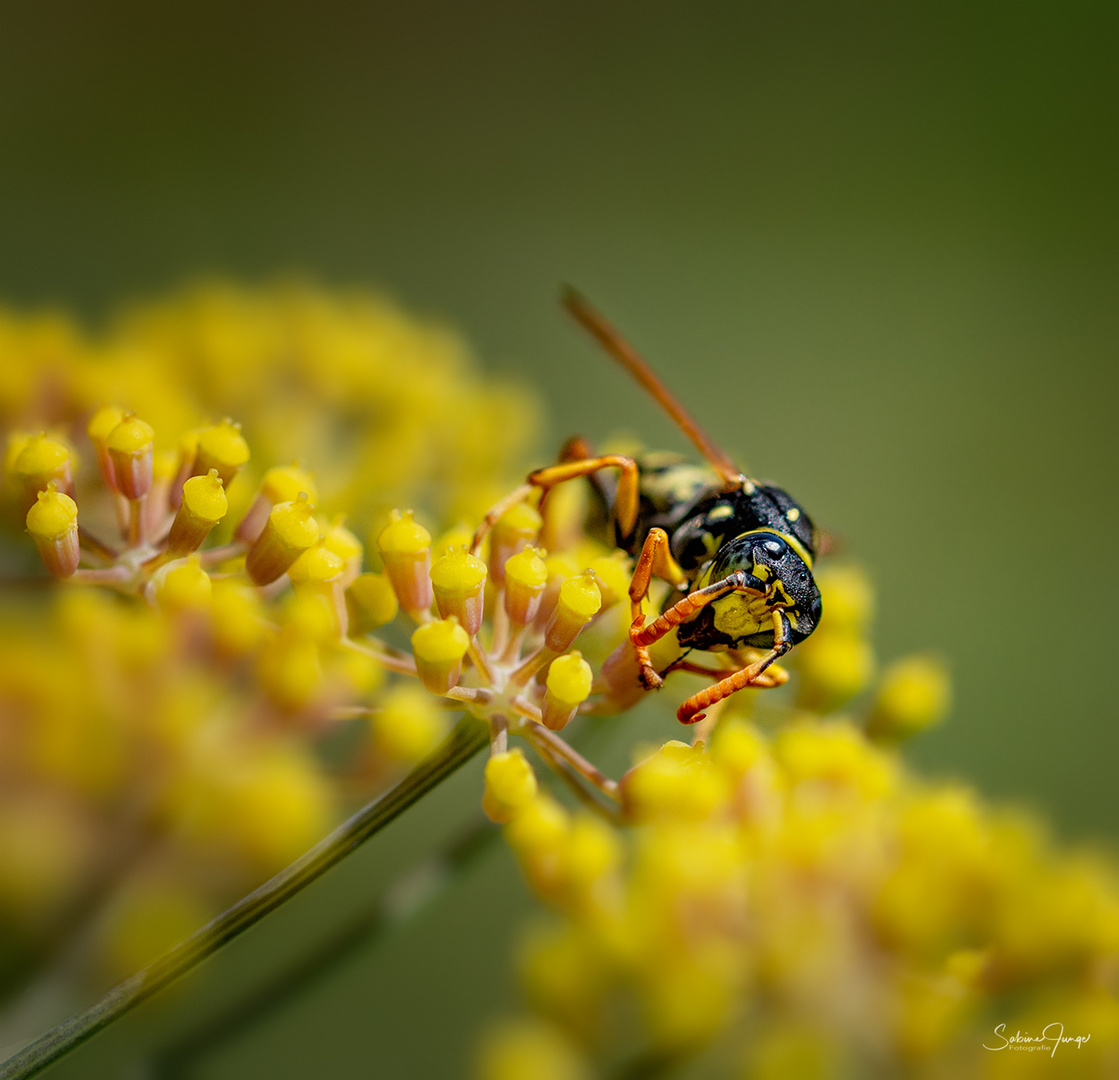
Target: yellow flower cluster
[
  {"x": 497, "y": 621},
  {"x": 779, "y": 899},
  {"x": 139, "y": 751},
  {"x": 386, "y": 409},
  {"x": 240, "y": 641},
  {"x": 174, "y": 733},
  {"x": 792, "y": 904},
  {"x": 206, "y": 703}
]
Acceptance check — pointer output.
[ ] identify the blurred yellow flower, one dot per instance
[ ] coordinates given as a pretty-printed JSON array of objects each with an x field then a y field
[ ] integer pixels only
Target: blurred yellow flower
[
  {"x": 172, "y": 735},
  {"x": 780, "y": 897}
]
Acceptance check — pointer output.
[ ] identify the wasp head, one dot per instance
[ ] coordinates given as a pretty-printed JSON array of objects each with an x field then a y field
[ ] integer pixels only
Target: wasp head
[{"x": 776, "y": 566}]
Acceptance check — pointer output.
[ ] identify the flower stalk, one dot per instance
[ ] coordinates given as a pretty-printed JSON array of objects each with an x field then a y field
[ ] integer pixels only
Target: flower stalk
[{"x": 465, "y": 740}]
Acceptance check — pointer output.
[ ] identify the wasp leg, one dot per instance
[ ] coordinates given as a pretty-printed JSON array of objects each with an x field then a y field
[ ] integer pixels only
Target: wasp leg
[
  {"x": 575, "y": 449},
  {"x": 755, "y": 674},
  {"x": 773, "y": 676},
  {"x": 656, "y": 559},
  {"x": 625, "y": 500},
  {"x": 543, "y": 480},
  {"x": 517, "y": 495}
]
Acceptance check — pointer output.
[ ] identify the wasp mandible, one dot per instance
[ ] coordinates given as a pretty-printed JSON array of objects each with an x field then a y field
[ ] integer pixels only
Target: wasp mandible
[{"x": 737, "y": 553}]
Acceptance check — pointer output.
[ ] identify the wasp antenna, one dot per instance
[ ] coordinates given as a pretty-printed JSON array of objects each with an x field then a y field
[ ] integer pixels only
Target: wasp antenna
[{"x": 623, "y": 352}]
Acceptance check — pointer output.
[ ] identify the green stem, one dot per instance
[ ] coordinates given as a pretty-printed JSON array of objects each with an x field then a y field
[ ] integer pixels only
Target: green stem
[
  {"x": 469, "y": 736},
  {"x": 402, "y": 902}
]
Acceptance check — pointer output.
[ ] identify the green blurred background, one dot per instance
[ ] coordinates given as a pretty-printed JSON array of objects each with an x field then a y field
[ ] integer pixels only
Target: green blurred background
[{"x": 873, "y": 246}]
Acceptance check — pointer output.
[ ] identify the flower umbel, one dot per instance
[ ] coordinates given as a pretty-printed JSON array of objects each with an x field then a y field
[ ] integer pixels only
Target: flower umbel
[
  {"x": 787, "y": 901},
  {"x": 778, "y": 898},
  {"x": 177, "y": 738}
]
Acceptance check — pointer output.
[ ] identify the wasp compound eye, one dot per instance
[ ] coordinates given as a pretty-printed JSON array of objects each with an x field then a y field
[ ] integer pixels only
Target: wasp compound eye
[{"x": 775, "y": 548}]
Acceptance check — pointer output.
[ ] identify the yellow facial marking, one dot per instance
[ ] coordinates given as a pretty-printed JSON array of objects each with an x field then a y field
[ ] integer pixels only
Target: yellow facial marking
[
  {"x": 778, "y": 595},
  {"x": 739, "y": 615}
]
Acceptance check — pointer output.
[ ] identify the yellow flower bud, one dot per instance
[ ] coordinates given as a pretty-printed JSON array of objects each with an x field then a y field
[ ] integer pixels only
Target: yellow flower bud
[
  {"x": 848, "y": 596},
  {"x": 914, "y": 694},
  {"x": 290, "y": 530},
  {"x": 460, "y": 536},
  {"x": 567, "y": 687},
  {"x": 525, "y": 578},
  {"x": 283, "y": 483},
  {"x": 677, "y": 783},
  {"x": 165, "y": 465},
  {"x": 238, "y": 617},
  {"x": 578, "y": 602},
  {"x": 834, "y": 666},
  {"x": 561, "y": 566},
  {"x": 308, "y": 614},
  {"x": 149, "y": 918},
  {"x": 459, "y": 582},
  {"x": 538, "y": 835},
  {"x": 538, "y": 830},
  {"x": 514, "y": 530},
  {"x": 439, "y": 647},
  {"x": 738, "y": 746},
  {"x": 280, "y": 805},
  {"x": 188, "y": 448},
  {"x": 316, "y": 566},
  {"x": 17, "y": 443},
  {"x": 266, "y": 805},
  {"x": 130, "y": 445},
  {"x": 510, "y": 785},
  {"x": 592, "y": 851},
  {"x": 318, "y": 573},
  {"x": 371, "y": 602},
  {"x": 530, "y": 1049},
  {"x": 405, "y": 547},
  {"x": 53, "y": 524},
  {"x": 204, "y": 505},
  {"x": 408, "y": 725},
  {"x": 837, "y": 755},
  {"x": 184, "y": 586},
  {"x": 221, "y": 447},
  {"x": 40, "y": 461},
  {"x": 613, "y": 574},
  {"x": 340, "y": 540},
  {"x": 289, "y": 666},
  {"x": 101, "y": 423}
]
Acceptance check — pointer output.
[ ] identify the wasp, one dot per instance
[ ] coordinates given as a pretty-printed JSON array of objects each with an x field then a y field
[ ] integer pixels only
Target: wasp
[{"x": 737, "y": 554}]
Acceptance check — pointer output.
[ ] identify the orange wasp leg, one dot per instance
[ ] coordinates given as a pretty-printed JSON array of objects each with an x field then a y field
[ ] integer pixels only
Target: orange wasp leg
[
  {"x": 517, "y": 495},
  {"x": 543, "y": 480},
  {"x": 692, "y": 711},
  {"x": 626, "y": 498},
  {"x": 655, "y": 559},
  {"x": 770, "y": 679}
]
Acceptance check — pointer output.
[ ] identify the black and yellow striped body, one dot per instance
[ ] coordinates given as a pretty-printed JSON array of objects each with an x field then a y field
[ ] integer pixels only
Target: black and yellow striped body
[{"x": 758, "y": 529}]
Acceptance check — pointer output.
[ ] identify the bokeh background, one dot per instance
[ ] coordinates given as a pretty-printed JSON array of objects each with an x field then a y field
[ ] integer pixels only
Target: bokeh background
[{"x": 874, "y": 246}]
